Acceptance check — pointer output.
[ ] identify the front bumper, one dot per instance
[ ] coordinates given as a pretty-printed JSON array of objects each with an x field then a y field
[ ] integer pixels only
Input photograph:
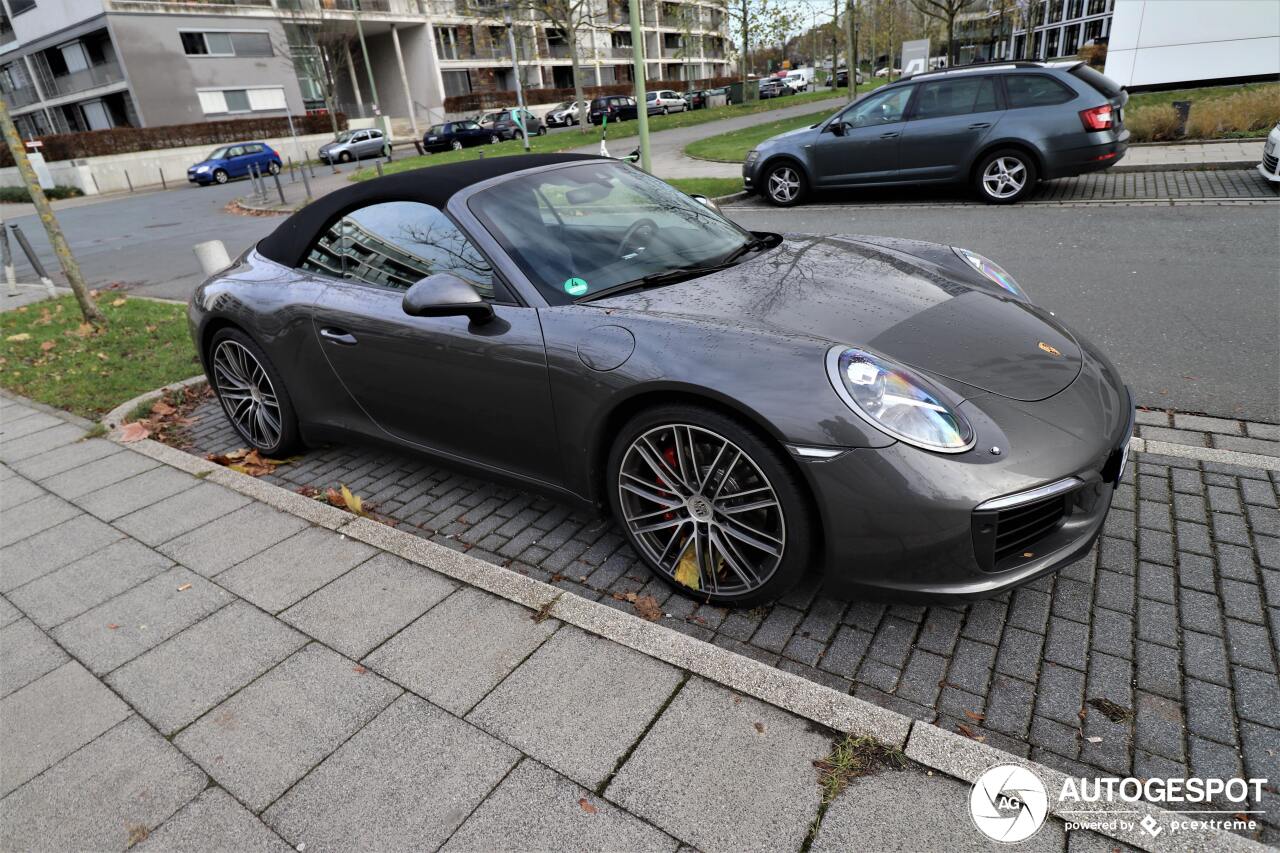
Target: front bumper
[
  {"x": 1269, "y": 168},
  {"x": 903, "y": 523}
]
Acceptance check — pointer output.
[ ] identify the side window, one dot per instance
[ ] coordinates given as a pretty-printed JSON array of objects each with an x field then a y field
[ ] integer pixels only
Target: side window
[
  {"x": 375, "y": 134},
  {"x": 883, "y": 108},
  {"x": 1035, "y": 90},
  {"x": 955, "y": 97},
  {"x": 253, "y": 149},
  {"x": 396, "y": 243},
  {"x": 235, "y": 151}
]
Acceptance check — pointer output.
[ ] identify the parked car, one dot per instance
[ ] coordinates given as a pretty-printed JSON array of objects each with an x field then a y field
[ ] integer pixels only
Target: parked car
[
  {"x": 1001, "y": 127},
  {"x": 234, "y": 161},
  {"x": 842, "y": 77},
  {"x": 489, "y": 119},
  {"x": 562, "y": 115},
  {"x": 799, "y": 79},
  {"x": 714, "y": 93},
  {"x": 506, "y": 126},
  {"x": 1269, "y": 168},
  {"x": 696, "y": 99},
  {"x": 772, "y": 87},
  {"x": 907, "y": 421},
  {"x": 884, "y": 72},
  {"x": 616, "y": 107},
  {"x": 457, "y": 135},
  {"x": 665, "y": 101},
  {"x": 353, "y": 145}
]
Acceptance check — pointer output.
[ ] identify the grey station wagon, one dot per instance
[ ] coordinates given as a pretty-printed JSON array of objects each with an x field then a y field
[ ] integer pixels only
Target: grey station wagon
[{"x": 1000, "y": 127}]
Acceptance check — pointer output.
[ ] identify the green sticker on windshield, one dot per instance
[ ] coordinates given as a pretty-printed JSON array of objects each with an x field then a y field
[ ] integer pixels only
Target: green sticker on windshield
[{"x": 575, "y": 286}]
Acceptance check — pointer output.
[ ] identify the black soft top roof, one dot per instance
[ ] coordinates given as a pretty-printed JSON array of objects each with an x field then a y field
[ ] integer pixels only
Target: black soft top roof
[{"x": 434, "y": 185}]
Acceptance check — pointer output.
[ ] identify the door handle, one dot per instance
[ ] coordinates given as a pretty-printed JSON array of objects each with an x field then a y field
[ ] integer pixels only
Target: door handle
[
  {"x": 888, "y": 135},
  {"x": 979, "y": 125},
  {"x": 338, "y": 336}
]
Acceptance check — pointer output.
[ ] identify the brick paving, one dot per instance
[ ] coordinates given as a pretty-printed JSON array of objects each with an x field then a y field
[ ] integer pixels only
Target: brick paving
[{"x": 1174, "y": 617}]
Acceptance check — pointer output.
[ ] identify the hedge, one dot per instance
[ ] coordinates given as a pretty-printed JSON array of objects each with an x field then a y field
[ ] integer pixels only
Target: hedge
[
  {"x": 478, "y": 101},
  {"x": 126, "y": 140},
  {"x": 17, "y": 195}
]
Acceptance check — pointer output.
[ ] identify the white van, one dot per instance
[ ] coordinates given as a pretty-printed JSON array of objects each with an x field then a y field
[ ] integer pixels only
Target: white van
[{"x": 799, "y": 79}]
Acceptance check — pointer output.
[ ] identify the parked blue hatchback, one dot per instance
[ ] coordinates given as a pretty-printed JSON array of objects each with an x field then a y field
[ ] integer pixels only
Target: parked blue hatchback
[{"x": 234, "y": 161}]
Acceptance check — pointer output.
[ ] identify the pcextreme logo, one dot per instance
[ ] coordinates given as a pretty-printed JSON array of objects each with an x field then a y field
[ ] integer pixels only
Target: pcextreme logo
[{"x": 1009, "y": 803}]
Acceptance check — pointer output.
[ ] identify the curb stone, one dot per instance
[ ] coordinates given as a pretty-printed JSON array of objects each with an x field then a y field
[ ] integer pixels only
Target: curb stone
[{"x": 114, "y": 419}]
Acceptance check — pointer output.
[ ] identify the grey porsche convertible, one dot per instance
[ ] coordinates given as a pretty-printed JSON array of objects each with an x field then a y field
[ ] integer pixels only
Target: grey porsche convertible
[{"x": 749, "y": 406}]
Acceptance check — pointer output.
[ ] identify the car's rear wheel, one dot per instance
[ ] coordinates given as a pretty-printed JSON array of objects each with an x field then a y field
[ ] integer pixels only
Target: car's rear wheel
[
  {"x": 274, "y": 168},
  {"x": 220, "y": 175},
  {"x": 252, "y": 393},
  {"x": 1005, "y": 176},
  {"x": 784, "y": 184},
  {"x": 456, "y": 145},
  {"x": 711, "y": 507},
  {"x": 542, "y": 130}
]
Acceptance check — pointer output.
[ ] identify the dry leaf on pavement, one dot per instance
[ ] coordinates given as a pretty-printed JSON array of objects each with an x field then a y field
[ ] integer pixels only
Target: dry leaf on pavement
[
  {"x": 184, "y": 587},
  {"x": 975, "y": 716},
  {"x": 162, "y": 408},
  {"x": 134, "y": 431},
  {"x": 586, "y": 806},
  {"x": 647, "y": 608},
  {"x": 970, "y": 733}
]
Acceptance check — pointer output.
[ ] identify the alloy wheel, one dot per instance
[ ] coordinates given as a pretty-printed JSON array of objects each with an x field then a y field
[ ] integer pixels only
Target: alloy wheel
[
  {"x": 247, "y": 395},
  {"x": 1004, "y": 177},
  {"x": 784, "y": 184},
  {"x": 456, "y": 145},
  {"x": 701, "y": 509}
]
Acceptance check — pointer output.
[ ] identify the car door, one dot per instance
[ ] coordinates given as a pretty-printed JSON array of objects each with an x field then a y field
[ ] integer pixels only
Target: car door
[
  {"x": 476, "y": 392},
  {"x": 865, "y": 148},
  {"x": 237, "y": 161},
  {"x": 356, "y": 144},
  {"x": 950, "y": 119},
  {"x": 372, "y": 146}
]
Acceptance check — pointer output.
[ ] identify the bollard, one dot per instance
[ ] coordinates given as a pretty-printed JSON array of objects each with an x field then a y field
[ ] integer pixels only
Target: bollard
[
  {"x": 212, "y": 256},
  {"x": 306, "y": 183},
  {"x": 311, "y": 169},
  {"x": 96, "y": 188},
  {"x": 128, "y": 180},
  {"x": 293, "y": 179},
  {"x": 279, "y": 189},
  {"x": 377, "y": 164},
  {"x": 163, "y": 185},
  {"x": 33, "y": 259},
  {"x": 6, "y": 255},
  {"x": 1183, "y": 110}
]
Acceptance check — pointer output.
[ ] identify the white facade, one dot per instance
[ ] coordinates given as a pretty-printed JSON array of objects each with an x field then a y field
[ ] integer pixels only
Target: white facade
[{"x": 1159, "y": 42}]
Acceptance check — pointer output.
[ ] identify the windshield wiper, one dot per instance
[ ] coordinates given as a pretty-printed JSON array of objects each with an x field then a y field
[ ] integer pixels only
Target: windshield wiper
[
  {"x": 655, "y": 279},
  {"x": 750, "y": 246}
]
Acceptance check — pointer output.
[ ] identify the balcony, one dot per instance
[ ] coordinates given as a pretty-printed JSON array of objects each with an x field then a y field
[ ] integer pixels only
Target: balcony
[
  {"x": 463, "y": 53},
  {"x": 557, "y": 51},
  {"x": 90, "y": 78},
  {"x": 22, "y": 96}
]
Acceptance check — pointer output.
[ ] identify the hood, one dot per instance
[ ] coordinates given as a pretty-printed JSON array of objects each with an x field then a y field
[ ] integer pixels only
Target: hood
[
  {"x": 790, "y": 134},
  {"x": 926, "y": 314},
  {"x": 209, "y": 163}
]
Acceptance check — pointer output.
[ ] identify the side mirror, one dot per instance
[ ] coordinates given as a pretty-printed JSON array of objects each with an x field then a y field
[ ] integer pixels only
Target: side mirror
[
  {"x": 837, "y": 127},
  {"x": 706, "y": 202},
  {"x": 446, "y": 295}
]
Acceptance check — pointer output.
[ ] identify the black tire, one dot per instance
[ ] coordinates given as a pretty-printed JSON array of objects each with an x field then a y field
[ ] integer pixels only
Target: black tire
[
  {"x": 345, "y": 157},
  {"x": 274, "y": 168},
  {"x": 664, "y": 110},
  {"x": 793, "y": 503},
  {"x": 494, "y": 139},
  {"x": 456, "y": 145},
  {"x": 989, "y": 187},
  {"x": 792, "y": 176},
  {"x": 220, "y": 176},
  {"x": 542, "y": 130},
  {"x": 290, "y": 438}
]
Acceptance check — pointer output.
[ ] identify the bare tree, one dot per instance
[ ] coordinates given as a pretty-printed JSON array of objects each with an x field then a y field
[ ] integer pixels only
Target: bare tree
[
  {"x": 317, "y": 46},
  {"x": 945, "y": 10},
  {"x": 758, "y": 22}
]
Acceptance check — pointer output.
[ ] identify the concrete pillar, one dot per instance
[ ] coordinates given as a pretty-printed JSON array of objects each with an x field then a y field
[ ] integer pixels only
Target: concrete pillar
[
  {"x": 355, "y": 80},
  {"x": 404, "y": 81}
]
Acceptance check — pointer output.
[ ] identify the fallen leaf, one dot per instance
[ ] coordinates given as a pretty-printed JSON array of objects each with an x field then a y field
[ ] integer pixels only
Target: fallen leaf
[
  {"x": 84, "y": 330},
  {"x": 162, "y": 409},
  {"x": 687, "y": 573},
  {"x": 48, "y": 345},
  {"x": 184, "y": 587},
  {"x": 647, "y": 608},
  {"x": 1094, "y": 739},
  {"x": 353, "y": 502},
  {"x": 759, "y": 727},
  {"x": 135, "y": 431},
  {"x": 103, "y": 356},
  {"x": 150, "y": 329},
  {"x": 975, "y": 716},
  {"x": 970, "y": 733},
  {"x": 1113, "y": 712},
  {"x": 227, "y": 458},
  {"x": 358, "y": 669},
  {"x": 137, "y": 833},
  {"x": 111, "y": 626},
  {"x": 21, "y": 336},
  {"x": 586, "y": 806},
  {"x": 118, "y": 302}
]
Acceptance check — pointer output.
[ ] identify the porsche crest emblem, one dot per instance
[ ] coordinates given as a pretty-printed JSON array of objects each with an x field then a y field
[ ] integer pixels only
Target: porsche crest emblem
[{"x": 1052, "y": 350}]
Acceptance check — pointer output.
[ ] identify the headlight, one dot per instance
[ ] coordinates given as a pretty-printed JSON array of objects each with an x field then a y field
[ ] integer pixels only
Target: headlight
[
  {"x": 897, "y": 401},
  {"x": 752, "y": 156},
  {"x": 991, "y": 270},
  {"x": 202, "y": 168}
]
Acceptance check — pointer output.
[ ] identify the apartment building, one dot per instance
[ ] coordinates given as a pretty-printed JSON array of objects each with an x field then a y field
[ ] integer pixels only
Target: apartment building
[
  {"x": 73, "y": 65},
  {"x": 1063, "y": 27}
]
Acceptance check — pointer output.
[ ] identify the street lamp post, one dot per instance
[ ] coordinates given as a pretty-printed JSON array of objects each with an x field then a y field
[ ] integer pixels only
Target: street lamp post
[
  {"x": 373, "y": 86},
  {"x": 515, "y": 70},
  {"x": 637, "y": 65}
]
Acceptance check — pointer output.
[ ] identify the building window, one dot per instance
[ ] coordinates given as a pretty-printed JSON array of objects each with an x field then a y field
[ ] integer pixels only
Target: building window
[
  {"x": 447, "y": 42},
  {"x": 226, "y": 44},
  {"x": 1071, "y": 44},
  {"x": 456, "y": 82},
  {"x": 263, "y": 99},
  {"x": 1092, "y": 30},
  {"x": 1052, "y": 50},
  {"x": 1097, "y": 7},
  {"x": 17, "y": 7},
  {"x": 1074, "y": 9}
]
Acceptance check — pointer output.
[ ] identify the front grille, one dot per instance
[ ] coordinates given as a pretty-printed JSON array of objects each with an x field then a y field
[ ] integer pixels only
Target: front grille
[
  {"x": 1019, "y": 528},
  {"x": 1269, "y": 162}
]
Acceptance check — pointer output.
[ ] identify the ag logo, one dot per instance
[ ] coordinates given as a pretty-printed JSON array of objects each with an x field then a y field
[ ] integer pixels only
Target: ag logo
[
  {"x": 1008, "y": 803},
  {"x": 1052, "y": 350}
]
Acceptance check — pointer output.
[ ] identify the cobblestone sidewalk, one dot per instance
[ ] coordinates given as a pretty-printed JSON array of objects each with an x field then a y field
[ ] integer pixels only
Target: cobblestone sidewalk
[
  {"x": 183, "y": 668},
  {"x": 1174, "y": 618}
]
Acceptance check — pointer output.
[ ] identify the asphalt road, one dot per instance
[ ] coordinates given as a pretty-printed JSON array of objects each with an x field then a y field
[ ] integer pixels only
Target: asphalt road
[{"x": 1185, "y": 299}]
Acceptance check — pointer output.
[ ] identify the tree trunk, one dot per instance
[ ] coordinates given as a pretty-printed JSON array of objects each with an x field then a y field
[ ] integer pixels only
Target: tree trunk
[
  {"x": 56, "y": 239},
  {"x": 746, "y": 29},
  {"x": 571, "y": 34},
  {"x": 951, "y": 40}
]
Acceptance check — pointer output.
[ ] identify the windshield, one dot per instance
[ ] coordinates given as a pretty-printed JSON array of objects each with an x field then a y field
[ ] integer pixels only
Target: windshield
[
  {"x": 583, "y": 229},
  {"x": 346, "y": 135}
]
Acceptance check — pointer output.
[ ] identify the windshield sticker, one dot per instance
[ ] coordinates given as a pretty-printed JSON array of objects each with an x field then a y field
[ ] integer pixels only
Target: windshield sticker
[{"x": 575, "y": 286}]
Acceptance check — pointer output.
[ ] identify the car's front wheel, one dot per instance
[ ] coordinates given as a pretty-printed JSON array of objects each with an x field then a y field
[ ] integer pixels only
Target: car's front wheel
[
  {"x": 456, "y": 145},
  {"x": 1005, "y": 176},
  {"x": 220, "y": 175},
  {"x": 711, "y": 506},
  {"x": 345, "y": 157},
  {"x": 784, "y": 184},
  {"x": 252, "y": 393}
]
